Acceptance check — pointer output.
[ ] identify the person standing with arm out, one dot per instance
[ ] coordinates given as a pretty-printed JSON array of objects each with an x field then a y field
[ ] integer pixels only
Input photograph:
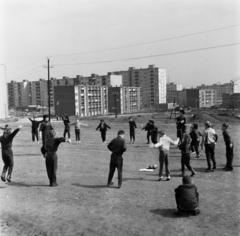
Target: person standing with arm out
[
  {"x": 103, "y": 129},
  {"x": 35, "y": 125},
  {"x": 52, "y": 144},
  {"x": 45, "y": 127},
  {"x": 117, "y": 146},
  {"x": 77, "y": 125},
  {"x": 66, "y": 123},
  {"x": 164, "y": 146},
  {"x": 7, "y": 154}
]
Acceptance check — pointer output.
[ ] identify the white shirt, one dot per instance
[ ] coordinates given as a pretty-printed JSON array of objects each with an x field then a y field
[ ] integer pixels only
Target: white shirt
[{"x": 165, "y": 142}]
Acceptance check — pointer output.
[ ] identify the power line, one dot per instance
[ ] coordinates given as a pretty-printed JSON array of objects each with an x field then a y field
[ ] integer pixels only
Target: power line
[
  {"x": 151, "y": 42},
  {"x": 159, "y": 55},
  {"x": 26, "y": 65},
  {"x": 27, "y": 73}
]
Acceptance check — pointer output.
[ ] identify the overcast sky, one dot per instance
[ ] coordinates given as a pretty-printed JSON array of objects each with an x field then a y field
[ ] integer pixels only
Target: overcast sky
[{"x": 83, "y": 32}]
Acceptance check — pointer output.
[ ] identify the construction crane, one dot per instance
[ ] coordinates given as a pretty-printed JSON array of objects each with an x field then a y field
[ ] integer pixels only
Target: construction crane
[{"x": 232, "y": 82}]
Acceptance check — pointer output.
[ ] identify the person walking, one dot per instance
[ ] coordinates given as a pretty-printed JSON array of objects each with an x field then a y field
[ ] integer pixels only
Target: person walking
[
  {"x": 35, "y": 125},
  {"x": 103, "y": 129},
  {"x": 77, "y": 125},
  {"x": 209, "y": 140},
  {"x": 44, "y": 129},
  {"x": 185, "y": 148},
  {"x": 117, "y": 146},
  {"x": 51, "y": 156},
  {"x": 7, "y": 154},
  {"x": 180, "y": 124},
  {"x": 164, "y": 146},
  {"x": 132, "y": 127},
  {"x": 229, "y": 148},
  {"x": 66, "y": 123}
]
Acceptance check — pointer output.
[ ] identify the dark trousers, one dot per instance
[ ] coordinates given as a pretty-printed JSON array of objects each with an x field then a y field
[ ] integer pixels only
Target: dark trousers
[
  {"x": 210, "y": 155},
  {"x": 180, "y": 134},
  {"x": 66, "y": 131},
  {"x": 7, "y": 156},
  {"x": 116, "y": 162},
  {"x": 77, "y": 134},
  {"x": 103, "y": 135},
  {"x": 51, "y": 166},
  {"x": 132, "y": 135},
  {"x": 229, "y": 156},
  {"x": 163, "y": 159},
  {"x": 35, "y": 134},
  {"x": 148, "y": 135},
  {"x": 185, "y": 161},
  {"x": 195, "y": 147},
  {"x": 177, "y": 197}
]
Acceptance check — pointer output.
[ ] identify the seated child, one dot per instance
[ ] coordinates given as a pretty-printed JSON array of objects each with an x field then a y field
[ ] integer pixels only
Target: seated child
[{"x": 187, "y": 197}]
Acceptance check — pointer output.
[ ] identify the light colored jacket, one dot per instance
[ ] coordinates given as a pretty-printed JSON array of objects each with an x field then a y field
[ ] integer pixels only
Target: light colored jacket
[{"x": 165, "y": 142}]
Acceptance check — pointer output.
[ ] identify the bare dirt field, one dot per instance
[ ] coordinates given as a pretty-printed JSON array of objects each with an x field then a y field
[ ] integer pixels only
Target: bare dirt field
[{"x": 82, "y": 204}]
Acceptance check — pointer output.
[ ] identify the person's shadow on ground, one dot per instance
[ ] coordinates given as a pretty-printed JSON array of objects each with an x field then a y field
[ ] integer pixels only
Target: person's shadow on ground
[
  {"x": 89, "y": 186},
  {"x": 169, "y": 212}
]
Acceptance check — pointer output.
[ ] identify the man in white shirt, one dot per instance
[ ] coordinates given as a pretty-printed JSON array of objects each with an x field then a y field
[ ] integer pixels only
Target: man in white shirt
[{"x": 164, "y": 146}]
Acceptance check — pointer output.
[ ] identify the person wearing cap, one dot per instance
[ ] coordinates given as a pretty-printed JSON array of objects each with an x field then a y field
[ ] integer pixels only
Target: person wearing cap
[
  {"x": 187, "y": 197},
  {"x": 229, "y": 148},
  {"x": 185, "y": 148},
  {"x": 132, "y": 127},
  {"x": 7, "y": 154},
  {"x": 66, "y": 123},
  {"x": 117, "y": 146},
  {"x": 103, "y": 127},
  {"x": 181, "y": 122},
  {"x": 45, "y": 127},
  {"x": 209, "y": 140},
  {"x": 51, "y": 157},
  {"x": 149, "y": 127},
  {"x": 164, "y": 146},
  {"x": 35, "y": 125}
]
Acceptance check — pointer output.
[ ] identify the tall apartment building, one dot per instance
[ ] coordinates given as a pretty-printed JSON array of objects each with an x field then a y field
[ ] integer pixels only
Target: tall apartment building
[
  {"x": 90, "y": 100},
  {"x": 220, "y": 89},
  {"x": 152, "y": 81}
]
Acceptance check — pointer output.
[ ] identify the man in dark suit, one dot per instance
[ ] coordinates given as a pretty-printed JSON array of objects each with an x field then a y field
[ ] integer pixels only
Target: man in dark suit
[
  {"x": 103, "y": 129},
  {"x": 117, "y": 146}
]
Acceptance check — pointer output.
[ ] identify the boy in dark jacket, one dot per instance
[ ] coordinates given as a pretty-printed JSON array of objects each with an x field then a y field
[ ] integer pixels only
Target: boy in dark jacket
[
  {"x": 66, "y": 123},
  {"x": 52, "y": 144},
  {"x": 185, "y": 148},
  {"x": 195, "y": 136},
  {"x": 149, "y": 127},
  {"x": 229, "y": 148},
  {"x": 117, "y": 146},
  {"x": 103, "y": 129},
  {"x": 132, "y": 127},
  {"x": 180, "y": 124},
  {"x": 35, "y": 125},
  {"x": 7, "y": 153},
  {"x": 187, "y": 197}
]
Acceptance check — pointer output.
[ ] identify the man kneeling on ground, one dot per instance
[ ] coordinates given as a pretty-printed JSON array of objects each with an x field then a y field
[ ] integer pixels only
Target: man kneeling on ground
[{"x": 187, "y": 197}]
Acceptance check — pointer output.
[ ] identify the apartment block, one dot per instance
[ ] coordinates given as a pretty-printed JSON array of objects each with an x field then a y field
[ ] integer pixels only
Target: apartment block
[
  {"x": 207, "y": 98},
  {"x": 90, "y": 100}
]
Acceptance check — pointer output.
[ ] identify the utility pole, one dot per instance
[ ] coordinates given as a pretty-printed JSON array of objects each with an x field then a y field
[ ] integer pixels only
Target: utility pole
[
  {"x": 49, "y": 102},
  {"x": 173, "y": 109}
]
